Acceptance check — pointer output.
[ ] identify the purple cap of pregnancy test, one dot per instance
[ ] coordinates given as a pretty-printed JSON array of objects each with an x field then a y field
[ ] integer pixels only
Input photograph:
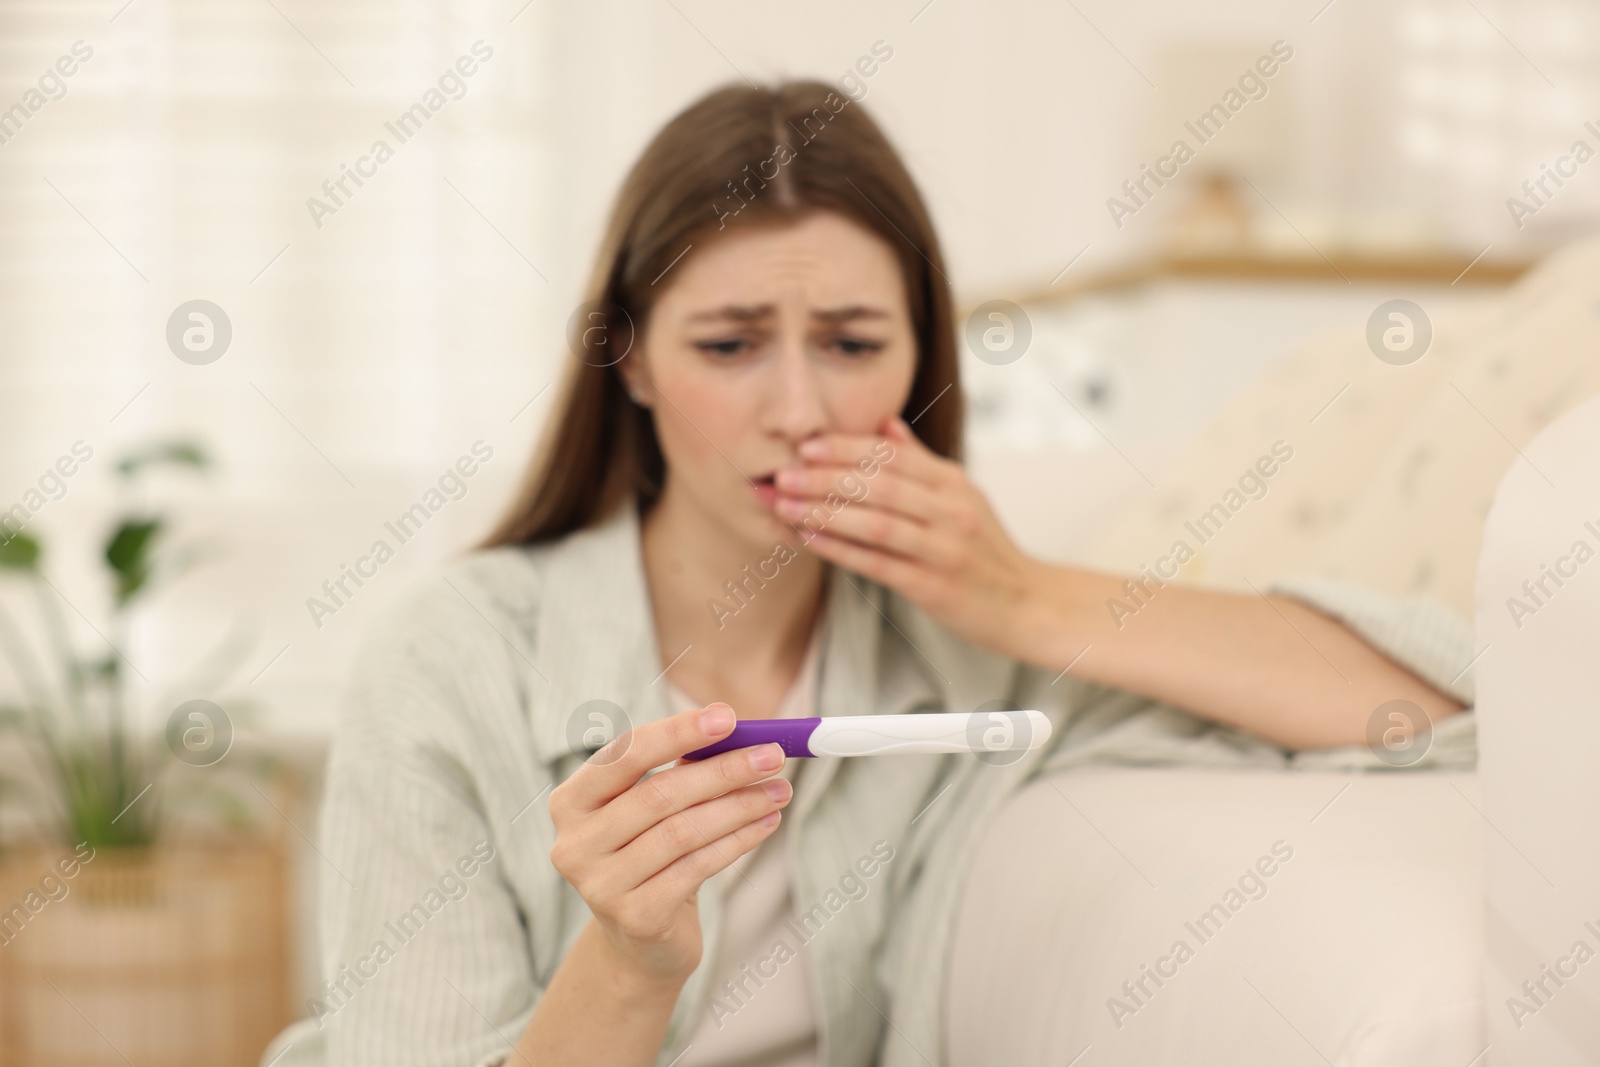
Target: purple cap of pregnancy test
[{"x": 793, "y": 734}]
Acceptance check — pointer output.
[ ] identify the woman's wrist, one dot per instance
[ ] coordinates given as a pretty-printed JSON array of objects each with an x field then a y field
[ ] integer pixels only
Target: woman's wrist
[
  {"x": 1052, "y": 629},
  {"x": 600, "y": 1008},
  {"x": 631, "y": 981}
]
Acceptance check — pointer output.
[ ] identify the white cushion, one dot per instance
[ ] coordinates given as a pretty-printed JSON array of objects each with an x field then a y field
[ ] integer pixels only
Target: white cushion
[{"x": 1364, "y": 944}]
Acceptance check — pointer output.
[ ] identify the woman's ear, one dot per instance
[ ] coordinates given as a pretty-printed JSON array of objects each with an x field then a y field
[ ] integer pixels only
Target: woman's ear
[{"x": 636, "y": 380}]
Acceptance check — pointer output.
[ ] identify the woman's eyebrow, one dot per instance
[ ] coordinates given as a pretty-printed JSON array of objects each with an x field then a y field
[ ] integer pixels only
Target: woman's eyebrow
[
  {"x": 736, "y": 312},
  {"x": 751, "y": 313},
  {"x": 847, "y": 314}
]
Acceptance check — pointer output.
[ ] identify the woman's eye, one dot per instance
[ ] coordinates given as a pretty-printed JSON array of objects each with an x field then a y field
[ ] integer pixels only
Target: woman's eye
[
  {"x": 734, "y": 346},
  {"x": 852, "y": 346},
  {"x": 722, "y": 348}
]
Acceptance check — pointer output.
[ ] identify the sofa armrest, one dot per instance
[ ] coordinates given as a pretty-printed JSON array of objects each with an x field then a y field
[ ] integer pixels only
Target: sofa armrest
[{"x": 1538, "y": 626}]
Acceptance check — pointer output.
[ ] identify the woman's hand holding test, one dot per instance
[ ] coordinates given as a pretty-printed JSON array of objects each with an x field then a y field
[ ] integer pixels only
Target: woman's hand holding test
[{"x": 637, "y": 849}]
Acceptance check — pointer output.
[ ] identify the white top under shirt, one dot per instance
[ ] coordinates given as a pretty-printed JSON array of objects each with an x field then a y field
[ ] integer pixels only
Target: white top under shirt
[{"x": 768, "y": 1019}]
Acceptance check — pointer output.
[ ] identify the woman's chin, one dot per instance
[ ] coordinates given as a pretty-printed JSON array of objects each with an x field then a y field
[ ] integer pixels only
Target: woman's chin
[{"x": 774, "y": 527}]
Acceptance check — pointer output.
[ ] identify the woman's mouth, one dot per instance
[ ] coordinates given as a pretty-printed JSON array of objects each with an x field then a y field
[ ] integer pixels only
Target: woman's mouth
[{"x": 766, "y": 490}]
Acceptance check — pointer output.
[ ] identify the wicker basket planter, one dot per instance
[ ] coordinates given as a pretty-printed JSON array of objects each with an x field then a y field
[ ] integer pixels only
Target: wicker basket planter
[{"x": 167, "y": 957}]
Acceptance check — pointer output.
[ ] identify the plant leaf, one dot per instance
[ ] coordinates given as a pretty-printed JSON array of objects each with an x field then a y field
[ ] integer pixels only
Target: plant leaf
[
  {"x": 129, "y": 552},
  {"x": 177, "y": 453},
  {"x": 19, "y": 552}
]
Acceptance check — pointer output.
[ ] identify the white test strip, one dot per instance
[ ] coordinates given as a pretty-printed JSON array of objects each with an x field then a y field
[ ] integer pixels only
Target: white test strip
[{"x": 981, "y": 731}]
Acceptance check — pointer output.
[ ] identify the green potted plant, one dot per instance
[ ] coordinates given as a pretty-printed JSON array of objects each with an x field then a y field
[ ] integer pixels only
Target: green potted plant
[{"x": 117, "y": 925}]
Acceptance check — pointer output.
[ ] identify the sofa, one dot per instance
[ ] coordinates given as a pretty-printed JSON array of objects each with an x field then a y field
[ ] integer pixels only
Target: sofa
[{"x": 1340, "y": 912}]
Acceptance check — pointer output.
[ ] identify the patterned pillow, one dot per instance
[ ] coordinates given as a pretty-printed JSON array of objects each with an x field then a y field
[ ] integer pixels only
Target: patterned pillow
[{"x": 1392, "y": 467}]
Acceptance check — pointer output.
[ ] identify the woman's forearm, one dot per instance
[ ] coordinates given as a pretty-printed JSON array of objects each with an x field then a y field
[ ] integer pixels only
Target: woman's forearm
[
  {"x": 1270, "y": 665},
  {"x": 598, "y": 1011}
]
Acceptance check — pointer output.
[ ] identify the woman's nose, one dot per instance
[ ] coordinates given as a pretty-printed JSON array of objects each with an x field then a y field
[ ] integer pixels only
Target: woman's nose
[{"x": 795, "y": 398}]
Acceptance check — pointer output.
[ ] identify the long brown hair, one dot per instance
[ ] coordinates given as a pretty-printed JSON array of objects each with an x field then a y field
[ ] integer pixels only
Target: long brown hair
[{"x": 706, "y": 170}]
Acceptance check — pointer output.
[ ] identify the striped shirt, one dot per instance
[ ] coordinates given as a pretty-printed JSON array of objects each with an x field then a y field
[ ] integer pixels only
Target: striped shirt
[{"x": 442, "y": 919}]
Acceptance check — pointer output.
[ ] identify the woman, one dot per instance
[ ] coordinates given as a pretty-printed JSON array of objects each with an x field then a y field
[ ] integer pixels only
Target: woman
[{"x": 748, "y": 500}]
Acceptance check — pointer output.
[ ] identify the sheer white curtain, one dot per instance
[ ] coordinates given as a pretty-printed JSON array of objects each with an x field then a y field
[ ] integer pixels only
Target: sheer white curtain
[{"x": 371, "y": 346}]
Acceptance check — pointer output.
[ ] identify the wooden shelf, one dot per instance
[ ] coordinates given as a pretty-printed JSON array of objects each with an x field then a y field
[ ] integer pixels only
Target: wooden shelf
[{"x": 1441, "y": 268}]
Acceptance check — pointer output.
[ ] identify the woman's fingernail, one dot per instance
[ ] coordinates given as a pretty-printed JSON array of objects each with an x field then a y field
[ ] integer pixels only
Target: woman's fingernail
[
  {"x": 814, "y": 448},
  {"x": 777, "y": 789},
  {"x": 766, "y": 757},
  {"x": 789, "y": 478},
  {"x": 717, "y": 719}
]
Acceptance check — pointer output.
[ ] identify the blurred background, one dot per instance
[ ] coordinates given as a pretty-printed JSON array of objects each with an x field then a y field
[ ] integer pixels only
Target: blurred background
[{"x": 357, "y": 340}]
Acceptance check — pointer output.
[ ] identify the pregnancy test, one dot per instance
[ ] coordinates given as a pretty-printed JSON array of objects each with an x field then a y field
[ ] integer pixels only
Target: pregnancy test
[{"x": 879, "y": 735}]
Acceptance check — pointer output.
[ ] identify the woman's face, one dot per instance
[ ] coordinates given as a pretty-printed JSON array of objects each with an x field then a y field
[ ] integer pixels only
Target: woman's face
[{"x": 765, "y": 337}]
